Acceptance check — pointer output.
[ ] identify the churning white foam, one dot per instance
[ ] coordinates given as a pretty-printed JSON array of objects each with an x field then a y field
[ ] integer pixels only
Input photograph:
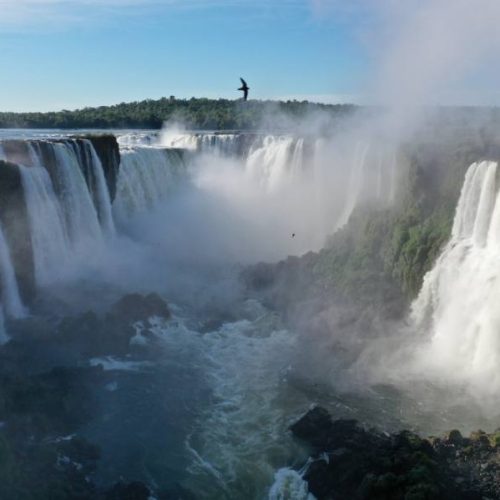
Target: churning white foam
[{"x": 289, "y": 485}]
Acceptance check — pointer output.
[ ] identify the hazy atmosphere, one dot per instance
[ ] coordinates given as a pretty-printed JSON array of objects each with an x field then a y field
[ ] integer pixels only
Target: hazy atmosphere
[{"x": 249, "y": 250}]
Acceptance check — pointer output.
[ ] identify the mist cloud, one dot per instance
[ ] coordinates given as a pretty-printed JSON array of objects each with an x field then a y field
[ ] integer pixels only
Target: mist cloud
[{"x": 425, "y": 52}]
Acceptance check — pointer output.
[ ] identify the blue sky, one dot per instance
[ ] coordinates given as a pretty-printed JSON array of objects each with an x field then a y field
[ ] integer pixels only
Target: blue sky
[
  {"x": 66, "y": 54},
  {"x": 57, "y": 54}
]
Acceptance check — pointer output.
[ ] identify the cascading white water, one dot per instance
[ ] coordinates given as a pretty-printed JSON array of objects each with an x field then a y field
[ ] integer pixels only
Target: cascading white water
[
  {"x": 298, "y": 156},
  {"x": 65, "y": 214},
  {"x": 274, "y": 173},
  {"x": 78, "y": 208},
  {"x": 309, "y": 188},
  {"x": 182, "y": 141},
  {"x": 275, "y": 161},
  {"x": 458, "y": 302},
  {"x": 103, "y": 200},
  {"x": 373, "y": 178},
  {"x": 270, "y": 160},
  {"x": 355, "y": 187},
  {"x": 147, "y": 176},
  {"x": 222, "y": 144},
  {"x": 11, "y": 300},
  {"x": 132, "y": 139},
  {"x": 289, "y": 485},
  {"x": 49, "y": 238}
]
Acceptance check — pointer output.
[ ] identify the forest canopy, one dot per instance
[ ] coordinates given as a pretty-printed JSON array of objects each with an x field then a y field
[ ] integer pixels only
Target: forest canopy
[{"x": 202, "y": 114}]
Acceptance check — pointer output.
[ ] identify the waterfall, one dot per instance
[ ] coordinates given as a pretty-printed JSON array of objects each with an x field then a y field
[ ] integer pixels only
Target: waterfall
[
  {"x": 147, "y": 176},
  {"x": 373, "y": 178},
  {"x": 78, "y": 208},
  {"x": 11, "y": 299},
  {"x": 458, "y": 302},
  {"x": 298, "y": 157},
  {"x": 102, "y": 198},
  {"x": 355, "y": 184},
  {"x": 49, "y": 238},
  {"x": 67, "y": 200},
  {"x": 221, "y": 144},
  {"x": 79, "y": 180},
  {"x": 272, "y": 162},
  {"x": 69, "y": 205},
  {"x": 132, "y": 139}
]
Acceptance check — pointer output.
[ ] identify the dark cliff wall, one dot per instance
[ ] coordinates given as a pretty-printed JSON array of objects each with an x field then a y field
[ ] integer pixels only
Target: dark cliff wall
[
  {"x": 108, "y": 151},
  {"x": 15, "y": 222}
]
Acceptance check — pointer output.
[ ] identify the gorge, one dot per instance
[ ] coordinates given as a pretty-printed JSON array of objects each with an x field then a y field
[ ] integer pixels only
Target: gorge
[{"x": 173, "y": 302}]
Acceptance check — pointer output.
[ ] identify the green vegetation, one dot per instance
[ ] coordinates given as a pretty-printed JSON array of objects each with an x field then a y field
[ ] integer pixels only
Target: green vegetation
[
  {"x": 382, "y": 254},
  {"x": 202, "y": 114}
]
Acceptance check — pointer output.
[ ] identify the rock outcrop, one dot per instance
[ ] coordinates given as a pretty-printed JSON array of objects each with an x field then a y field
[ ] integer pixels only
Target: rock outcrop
[{"x": 350, "y": 461}]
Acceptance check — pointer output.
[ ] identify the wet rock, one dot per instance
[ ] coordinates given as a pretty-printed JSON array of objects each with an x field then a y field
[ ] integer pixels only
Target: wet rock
[
  {"x": 15, "y": 223},
  {"x": 136, "y": 307},
  {"x": 108, "y": 151},
  {"x": 313, "y": 427},
  {"x": 352, "y": 462},
  {"x": 38, "y": 343}
]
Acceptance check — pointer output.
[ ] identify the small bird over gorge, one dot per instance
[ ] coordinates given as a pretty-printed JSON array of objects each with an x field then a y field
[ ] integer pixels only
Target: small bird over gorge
[{"x": 245, "y": 88}]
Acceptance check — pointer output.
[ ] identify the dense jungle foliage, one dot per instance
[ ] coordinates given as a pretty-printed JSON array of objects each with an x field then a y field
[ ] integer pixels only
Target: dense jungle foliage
[{"x": 202, "y": 114}]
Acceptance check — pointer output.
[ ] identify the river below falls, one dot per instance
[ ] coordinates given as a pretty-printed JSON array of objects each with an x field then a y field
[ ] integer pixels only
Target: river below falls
[{"x": 212, "y": 416}]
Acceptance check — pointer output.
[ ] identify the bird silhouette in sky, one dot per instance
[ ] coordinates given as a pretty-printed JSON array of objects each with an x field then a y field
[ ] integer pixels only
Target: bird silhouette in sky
[{"x": 245, "y": 88}]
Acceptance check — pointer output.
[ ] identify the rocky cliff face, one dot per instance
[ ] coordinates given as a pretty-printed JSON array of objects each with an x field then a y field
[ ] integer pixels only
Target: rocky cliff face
[
  {"x": 14, "y": 218},
  {"x": 107, "y": 149},
  {"x": 50, "y": 155}
]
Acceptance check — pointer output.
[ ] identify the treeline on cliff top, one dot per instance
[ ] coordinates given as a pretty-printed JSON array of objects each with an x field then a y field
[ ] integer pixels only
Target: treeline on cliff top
[
  {"x": 202, "y": 114},
  {"x": 225, "y": 114}
]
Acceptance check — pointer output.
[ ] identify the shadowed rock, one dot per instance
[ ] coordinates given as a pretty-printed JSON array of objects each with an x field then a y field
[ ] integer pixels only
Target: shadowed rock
[
  {"x": 135, "y": 307},
  {"x": 352, "y": 462},
  {"x": 15, "y": 223}
]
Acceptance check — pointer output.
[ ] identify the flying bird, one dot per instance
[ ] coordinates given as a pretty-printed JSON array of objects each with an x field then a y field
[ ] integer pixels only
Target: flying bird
[{"x": 245, "y": 88}]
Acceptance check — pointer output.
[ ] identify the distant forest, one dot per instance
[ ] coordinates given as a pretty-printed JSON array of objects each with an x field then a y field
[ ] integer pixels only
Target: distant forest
[{"x": 202, "y": 114}]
